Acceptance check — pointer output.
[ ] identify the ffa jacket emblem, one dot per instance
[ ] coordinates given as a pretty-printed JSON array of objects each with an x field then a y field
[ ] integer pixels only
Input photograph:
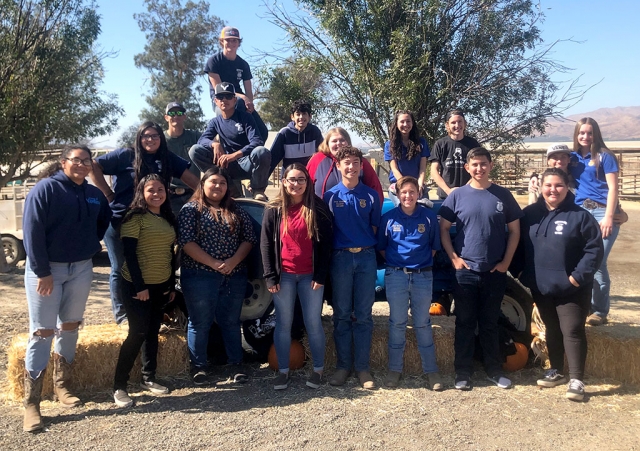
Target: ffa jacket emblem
[
  {"x": 421, "y": 228},
  {"x": 363, "y": 203}
]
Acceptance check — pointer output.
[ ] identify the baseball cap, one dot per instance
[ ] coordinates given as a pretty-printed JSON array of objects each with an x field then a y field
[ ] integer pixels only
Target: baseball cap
[
  {"x": 224, "y": 88},
  {"x": 172, "y": 105},
  {"x": 558, "y": 148},
  {"x": 229, "y": 32}
]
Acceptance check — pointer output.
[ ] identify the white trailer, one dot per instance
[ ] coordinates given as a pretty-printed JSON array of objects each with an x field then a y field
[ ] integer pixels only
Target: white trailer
[{"x": 11, "y": 211}]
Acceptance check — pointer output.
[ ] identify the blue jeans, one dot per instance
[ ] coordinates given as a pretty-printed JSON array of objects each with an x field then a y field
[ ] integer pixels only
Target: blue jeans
[
  {"x": 311, "y": 303},
  {"x": 478, "y": 296},
  {"x": 65, "y": 304},
  {"x": 115, "y": 249},
  {"x": 254, "y": 167},
  {"x": 209, "y": 296},
  {"x": 353, "y": 277},
  {"x": 600, "y": 301},
  {"x": 413, "y": 291}
]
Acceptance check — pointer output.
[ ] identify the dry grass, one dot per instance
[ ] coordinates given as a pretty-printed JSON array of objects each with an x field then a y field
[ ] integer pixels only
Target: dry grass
[
  {"x": 614, "y": 352},
  {"x": 96, "y": 357}
]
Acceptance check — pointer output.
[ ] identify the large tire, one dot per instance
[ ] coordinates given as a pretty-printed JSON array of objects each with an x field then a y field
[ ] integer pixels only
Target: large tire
[
  {"x": 517, "y": 306},
  {"x": 13, "y": 250}
]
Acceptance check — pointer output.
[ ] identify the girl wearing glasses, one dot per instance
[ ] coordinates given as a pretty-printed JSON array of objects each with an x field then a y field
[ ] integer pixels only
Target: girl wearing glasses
[
  {"x": 296, "y": 245},
  {"x": 127, "y": 166},
  {"x": 407, "y": 153},
  {"x": 64, "y": 220}
]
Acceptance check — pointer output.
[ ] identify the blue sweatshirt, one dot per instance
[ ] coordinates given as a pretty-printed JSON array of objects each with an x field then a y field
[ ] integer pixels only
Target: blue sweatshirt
[
  {"x": 236, "y": 133},
  {"x": 294, "y": 146},
  {"x": 63, "y": 222},
  {"x": 555, "y": 245}
]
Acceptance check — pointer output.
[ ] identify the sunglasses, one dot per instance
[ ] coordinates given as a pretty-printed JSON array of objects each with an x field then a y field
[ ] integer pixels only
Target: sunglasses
[
  {"x": 176, "y": 113},
  {"x": 224, "y": 96}
]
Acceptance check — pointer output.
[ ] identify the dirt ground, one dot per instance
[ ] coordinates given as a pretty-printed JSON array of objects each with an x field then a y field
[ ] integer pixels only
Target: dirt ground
[{"x": 254, "y": 416}]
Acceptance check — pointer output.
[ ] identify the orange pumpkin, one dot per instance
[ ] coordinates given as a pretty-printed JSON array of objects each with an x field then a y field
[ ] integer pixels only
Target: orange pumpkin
[
  {"x": 437, "y": 310},
  {"x": 518, "y": 360},
  {"x": 296, "y": 356}
]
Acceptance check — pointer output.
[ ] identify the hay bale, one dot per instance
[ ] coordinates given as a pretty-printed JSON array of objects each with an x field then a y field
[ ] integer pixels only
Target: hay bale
[
  {"x": 443, "y": 329},
  {"x": 614, "y": 352},
  {"x": 95, "y": 361}
]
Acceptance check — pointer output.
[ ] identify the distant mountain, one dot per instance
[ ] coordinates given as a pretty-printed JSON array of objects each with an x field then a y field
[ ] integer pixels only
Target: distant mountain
[{"x": 616, "y": 124}]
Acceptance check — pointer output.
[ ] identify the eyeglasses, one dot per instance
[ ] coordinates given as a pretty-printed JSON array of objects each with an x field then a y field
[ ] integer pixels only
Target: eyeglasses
[
  {"x": 79, "y": 161},
  {"x": 151, "y": 137},
  {"x": 176, "y": 113},
  {"x": 224, "y": 96},
  {"x": 299, "y": 181}
]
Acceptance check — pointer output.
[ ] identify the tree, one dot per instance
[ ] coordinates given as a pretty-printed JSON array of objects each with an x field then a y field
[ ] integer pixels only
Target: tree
[
  {"x": 50, "y": 72},
  {"x": 294, "y": 79},
  {"x": 179, "y": 40},
  {"x": 485, "y": 56},
  {"x": 128, "y": 136}
]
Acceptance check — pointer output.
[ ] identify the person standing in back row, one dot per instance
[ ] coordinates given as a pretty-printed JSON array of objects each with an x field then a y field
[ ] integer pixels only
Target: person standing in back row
[
  {"x": 450, "y": 154},
  {"x": 227, "y": 66},
  {"x": 481, "y": 254}
]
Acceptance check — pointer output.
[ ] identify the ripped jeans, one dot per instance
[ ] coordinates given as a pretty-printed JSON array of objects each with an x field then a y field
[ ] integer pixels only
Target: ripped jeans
[{"x": 65, "y": 304}]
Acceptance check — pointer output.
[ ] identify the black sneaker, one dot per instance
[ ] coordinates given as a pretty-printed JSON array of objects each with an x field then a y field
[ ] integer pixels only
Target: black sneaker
[
  {"x": 315, "y": 380},
  {"x": 237, "y": 373},
  {"x": 281, "y": 382},
  {"x": 500, "y": 381},
  {"x": 552, "y": 379},
  {"x": 463, "y": 382},
  {"x": 200, "y": 377},
  {"x": 575, "y": 392}
]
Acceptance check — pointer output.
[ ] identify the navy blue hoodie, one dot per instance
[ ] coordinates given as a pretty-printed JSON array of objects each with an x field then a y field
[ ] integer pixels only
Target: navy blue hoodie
[
  {"x": 294, "y": 146},
  {"x": 557, "y": 244},
  {"x": 63, "y": 222}
]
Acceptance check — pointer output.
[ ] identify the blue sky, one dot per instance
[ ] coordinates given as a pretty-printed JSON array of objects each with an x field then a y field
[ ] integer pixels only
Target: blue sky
[{"x": 609, "y": 32}]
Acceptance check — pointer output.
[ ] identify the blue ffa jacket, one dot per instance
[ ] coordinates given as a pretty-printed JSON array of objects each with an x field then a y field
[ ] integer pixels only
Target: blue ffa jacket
[{"x": 63, "y": 222}]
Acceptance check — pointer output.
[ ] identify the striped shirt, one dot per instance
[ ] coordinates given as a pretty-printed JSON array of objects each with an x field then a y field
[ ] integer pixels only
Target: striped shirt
[{"x": 155, "y": 240}]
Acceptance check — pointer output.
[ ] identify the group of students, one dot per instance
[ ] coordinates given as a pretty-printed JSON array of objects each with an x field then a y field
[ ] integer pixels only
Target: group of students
[{"x": 325, "y": 223}]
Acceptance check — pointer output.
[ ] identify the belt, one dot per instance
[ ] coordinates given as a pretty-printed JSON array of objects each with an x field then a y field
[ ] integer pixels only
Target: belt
[
  {"x": 355, "y": 250},
  {"x": 413, "y": 271},
  {"x": 592, "y": 204}
]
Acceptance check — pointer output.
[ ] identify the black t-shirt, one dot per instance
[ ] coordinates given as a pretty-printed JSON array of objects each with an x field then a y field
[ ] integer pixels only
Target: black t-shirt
[
  {"x": 452, "y": 155},
  {"x": 234, "y": 72}
]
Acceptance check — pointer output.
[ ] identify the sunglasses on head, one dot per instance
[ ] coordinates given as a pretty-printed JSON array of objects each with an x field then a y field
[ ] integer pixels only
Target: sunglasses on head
[
  {"x": 176, "y": 113},
  {"x": 224, "y": 96}
]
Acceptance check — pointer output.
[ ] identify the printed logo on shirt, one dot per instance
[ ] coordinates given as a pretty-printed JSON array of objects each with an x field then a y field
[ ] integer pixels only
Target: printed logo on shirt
[
  {"x": 396, "y": 228},
  {"x": 457, "y": 154},
  {"x": 239, "y": 127},
  {"x": 560, "y": 226},
  {"x": 363, "y": 203},
  {"x": 159, "y": 164},
  {"x": 499, "y": 207},
  {"x": 421, "y": 228},
  {"x": 338, "y": 203},
  {"x": 239, "y": 74},
  {"x": 93, "y": 200}
]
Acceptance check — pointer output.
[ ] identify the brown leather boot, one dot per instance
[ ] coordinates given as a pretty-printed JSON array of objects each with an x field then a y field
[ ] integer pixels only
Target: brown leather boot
[
  {"x": 32, "y": 395},
  {"x": 61, "y": 377}
]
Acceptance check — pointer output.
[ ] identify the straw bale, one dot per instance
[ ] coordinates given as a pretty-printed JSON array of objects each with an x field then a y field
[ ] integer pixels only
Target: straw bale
[
  {"x": 443, "y": 328},
  {"x": 614, "y": 352},
  {"x": 95, "y": 361}
]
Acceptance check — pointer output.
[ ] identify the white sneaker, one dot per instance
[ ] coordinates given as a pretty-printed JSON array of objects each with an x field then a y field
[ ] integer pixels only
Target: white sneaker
[
  {"x": 575, "y": 392},
  {"x": 500, "y": 381},
  {"x": 154, "y": 387},
  {"x": 122, "y": 399}
]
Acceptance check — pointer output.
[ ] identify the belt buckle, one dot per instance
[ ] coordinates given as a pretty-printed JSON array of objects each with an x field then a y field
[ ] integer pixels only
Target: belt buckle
[
  {"x": 590, "y": 204},
  {"x": 354, "y": 250},
  {"x": 408, "y": 271}
]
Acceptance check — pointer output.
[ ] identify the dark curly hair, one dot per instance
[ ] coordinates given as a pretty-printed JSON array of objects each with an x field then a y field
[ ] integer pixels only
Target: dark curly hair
[
  {"x": 395, "y": 138},
  {"x": 139, "y": 204},
  {"x": 228, "y": 206}
]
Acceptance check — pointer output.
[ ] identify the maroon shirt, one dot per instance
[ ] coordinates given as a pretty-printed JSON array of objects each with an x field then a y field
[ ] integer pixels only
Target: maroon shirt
[{"x": 297, "y": 247}]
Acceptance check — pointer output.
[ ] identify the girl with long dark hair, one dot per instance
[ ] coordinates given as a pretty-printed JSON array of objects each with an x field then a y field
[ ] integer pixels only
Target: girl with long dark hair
[
  {"x": 127, "y": 166},
  {"x": 148, "y": 236},
  {"x": 215, "y": 235},
  {"x": 406, "y": 151},
  {"x": 296, "y": 245}
]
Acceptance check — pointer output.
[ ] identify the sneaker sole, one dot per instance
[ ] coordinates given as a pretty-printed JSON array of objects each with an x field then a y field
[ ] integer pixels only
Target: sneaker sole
[
  {"x": 463, "y": 387},
  {"x": 575, "y": 396},
  {"x": 548, "y": 384},
  {"x": 281, "y": 387},
  {"x": 155, "y": 391},
  {"x": 312, "y": 385}
]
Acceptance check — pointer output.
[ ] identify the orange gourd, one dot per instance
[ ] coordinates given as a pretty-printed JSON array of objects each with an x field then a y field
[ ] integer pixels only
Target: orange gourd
[
  {"x": 437, "y": 310},
  {"x": 296, "y": 356},
  {"x": 518, "y": 360}
]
